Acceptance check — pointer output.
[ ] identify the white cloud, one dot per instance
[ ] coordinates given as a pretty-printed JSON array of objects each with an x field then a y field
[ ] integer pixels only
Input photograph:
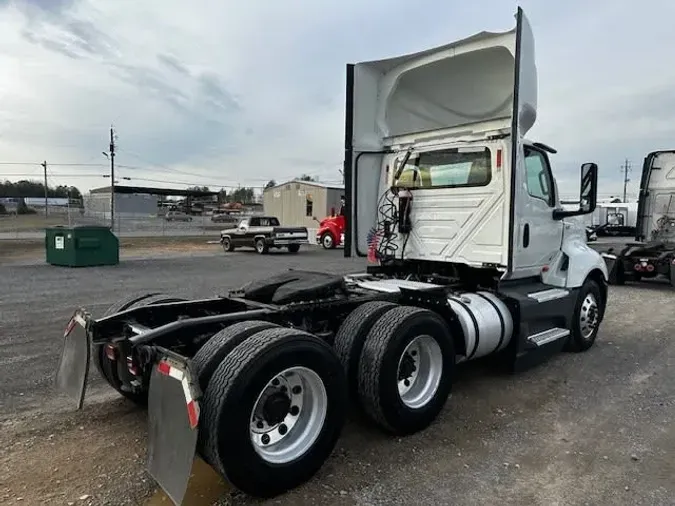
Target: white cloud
[{"x": 250, "y": 91}]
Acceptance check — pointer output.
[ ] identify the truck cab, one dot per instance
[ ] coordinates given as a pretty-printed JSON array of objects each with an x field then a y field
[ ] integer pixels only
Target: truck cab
[
  {"x": 653, "y": 255},
  {"x": 438, "y": 140}
]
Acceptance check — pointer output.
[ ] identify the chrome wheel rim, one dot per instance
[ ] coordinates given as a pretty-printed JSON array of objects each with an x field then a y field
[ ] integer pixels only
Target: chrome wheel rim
[
  {"x": 327, "y": 241},
  {"x": 288, "y": 415},
  {"x": 420, "y": 369},
  {"x": 588, "y": 316},
  {"x": 259, "y": 246}
]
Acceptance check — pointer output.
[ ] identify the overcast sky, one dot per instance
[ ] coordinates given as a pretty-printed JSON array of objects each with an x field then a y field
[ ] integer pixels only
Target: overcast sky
[{"x": 224, "y": 92}]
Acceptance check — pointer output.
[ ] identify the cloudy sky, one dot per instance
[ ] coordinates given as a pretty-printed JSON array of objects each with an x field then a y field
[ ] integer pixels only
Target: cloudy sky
[{"x": 224, "y": 92}]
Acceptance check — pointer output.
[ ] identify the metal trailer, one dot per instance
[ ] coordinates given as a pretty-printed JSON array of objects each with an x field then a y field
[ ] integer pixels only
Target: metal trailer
[
  {"x": 471, "y": 255},
  {"x": 653, "y": 254}
]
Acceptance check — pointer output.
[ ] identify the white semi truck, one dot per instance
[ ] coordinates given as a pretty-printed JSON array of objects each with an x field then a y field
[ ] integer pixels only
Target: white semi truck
[
  {"x": 470, "y": 255},
  {"x": 653, "y": 253}
]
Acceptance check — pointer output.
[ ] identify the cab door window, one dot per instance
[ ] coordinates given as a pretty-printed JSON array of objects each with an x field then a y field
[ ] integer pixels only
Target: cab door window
[{"x": 538, "y": 176}]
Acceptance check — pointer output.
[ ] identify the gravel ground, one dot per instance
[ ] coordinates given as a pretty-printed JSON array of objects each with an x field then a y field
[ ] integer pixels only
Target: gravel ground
[{"x": 593, "y": 428}]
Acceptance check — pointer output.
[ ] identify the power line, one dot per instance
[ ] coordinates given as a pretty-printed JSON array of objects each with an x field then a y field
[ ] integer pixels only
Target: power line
[{"x": 36, "y": 164}]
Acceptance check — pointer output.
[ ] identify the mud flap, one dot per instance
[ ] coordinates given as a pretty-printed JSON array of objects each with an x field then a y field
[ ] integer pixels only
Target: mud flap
[
  {"x": 73, "y": 368},
  {"x": 173, "y": 418},
  {"x": 613, "y": 268}
]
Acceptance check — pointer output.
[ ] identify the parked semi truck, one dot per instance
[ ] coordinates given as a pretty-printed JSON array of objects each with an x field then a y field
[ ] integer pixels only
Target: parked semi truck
[
  {"x": 653, "y": 253},
  {"x": 469, "y": 255}
]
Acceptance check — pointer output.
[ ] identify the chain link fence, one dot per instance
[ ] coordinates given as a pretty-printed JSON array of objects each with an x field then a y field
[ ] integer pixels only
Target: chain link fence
[{"x": 32, "y": 226}]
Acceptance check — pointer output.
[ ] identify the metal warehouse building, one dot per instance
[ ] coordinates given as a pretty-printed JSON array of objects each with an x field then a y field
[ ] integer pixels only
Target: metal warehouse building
[
  {"x": 135, "y": 200},
  {"x": 295, "y": 203}
]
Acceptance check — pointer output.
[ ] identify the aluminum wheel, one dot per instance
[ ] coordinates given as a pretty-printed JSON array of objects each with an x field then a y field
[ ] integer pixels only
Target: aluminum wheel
[
  {"x": 419, "y": 372},
  {"x": 588, "y": 316},
  {"x": 327, "y": 241},
  {"x": 288, "y": 415}
]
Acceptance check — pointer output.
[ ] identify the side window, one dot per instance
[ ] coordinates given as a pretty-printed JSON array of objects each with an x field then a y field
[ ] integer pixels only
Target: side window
[
  {"x": 254, "y": 222},
  {"x": 538, "y": 173}
]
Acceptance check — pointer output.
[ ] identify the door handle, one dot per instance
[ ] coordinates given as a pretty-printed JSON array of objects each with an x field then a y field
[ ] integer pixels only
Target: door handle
[{"x": 526, "y": 235}]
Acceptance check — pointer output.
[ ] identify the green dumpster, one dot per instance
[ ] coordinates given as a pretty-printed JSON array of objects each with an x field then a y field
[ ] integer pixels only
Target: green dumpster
[{"x": 81, "y": 246}]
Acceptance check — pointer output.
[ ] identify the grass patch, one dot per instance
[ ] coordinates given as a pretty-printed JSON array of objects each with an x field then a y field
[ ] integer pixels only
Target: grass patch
[{"x": 31, "y": 222}]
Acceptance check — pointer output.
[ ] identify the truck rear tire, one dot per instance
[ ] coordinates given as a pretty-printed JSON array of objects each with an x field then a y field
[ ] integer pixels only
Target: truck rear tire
[
  {"x": 351, "y": 336},
  {"x": 586, "y": 318},
  {"x": 221, "y": 344},
  {"x": 105, "y": 366},
  {"x": 406, "y": 369},
  {"x": 293, "y": 248},
  {"x": 274, "y": 410},
  {"x": 116, "y": 307}
]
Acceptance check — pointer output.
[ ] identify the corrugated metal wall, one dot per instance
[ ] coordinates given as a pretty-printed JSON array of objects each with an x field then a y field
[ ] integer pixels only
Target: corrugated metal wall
[
  {"x": 131, "y": 204},
  {"x": 295, "y": 203}
]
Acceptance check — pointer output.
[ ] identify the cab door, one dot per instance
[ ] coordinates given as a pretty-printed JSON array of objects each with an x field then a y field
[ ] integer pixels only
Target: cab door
[{"x": 538, "y": 237}]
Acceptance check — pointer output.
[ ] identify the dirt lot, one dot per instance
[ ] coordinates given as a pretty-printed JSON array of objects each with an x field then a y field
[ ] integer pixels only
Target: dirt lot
[{"x": 593, "y": 428}]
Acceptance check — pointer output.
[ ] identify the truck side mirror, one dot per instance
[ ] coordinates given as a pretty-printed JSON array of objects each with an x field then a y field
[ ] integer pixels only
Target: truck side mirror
[{"x": 588, "y": 194}]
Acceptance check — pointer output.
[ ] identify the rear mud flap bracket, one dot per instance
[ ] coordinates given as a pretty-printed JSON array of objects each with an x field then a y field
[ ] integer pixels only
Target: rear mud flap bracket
[{"x": 173, "y": 419}]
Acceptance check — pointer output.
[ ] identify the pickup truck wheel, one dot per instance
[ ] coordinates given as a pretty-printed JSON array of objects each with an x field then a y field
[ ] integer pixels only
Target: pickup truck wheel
[
  {"x": 293, "y": 248},
  {"x": 405, "y": 369},
  {"x": 327, "y": 241},
  {"x": 107, "y": 367},
  {"x": 261, "y": 246},
  {"x": 587, "y": 317},
  {"x": 227, "y": 245},
  {"x": 274, "y": 409},
  {"x": 351, "y": 336}
]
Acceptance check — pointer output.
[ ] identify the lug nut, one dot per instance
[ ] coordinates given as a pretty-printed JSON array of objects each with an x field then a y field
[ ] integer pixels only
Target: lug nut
[
  {"x": 413, "y": 353},
  {"x": 275, "y": 382},
  {"x": 406, "y": 383},
  {"x": 265, "y": 439},
  {"x": 295, "y": 410},
  {"x": 260, "y": 425},
  {"x": 296, "y": 390},
  {"x": 283, "y": 429}
]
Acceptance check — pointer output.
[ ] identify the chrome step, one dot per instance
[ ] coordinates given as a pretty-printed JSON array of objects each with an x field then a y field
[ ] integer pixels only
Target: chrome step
[{"x": 548, "y": 336}]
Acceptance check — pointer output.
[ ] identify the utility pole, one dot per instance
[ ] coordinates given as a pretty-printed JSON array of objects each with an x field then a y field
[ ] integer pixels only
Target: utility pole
[
  {"x": 44, "y": 166},
  {"x": 111, "y": 156},
  {"x": 625, "y": 168}
]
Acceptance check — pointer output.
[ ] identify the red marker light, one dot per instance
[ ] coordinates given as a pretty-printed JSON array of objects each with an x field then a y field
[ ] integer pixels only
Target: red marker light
[{"x": 499, "y": 158}]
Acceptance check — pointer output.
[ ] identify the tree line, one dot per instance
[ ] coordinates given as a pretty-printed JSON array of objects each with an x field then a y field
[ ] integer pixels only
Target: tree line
[{"x": 30, "y": 189}]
